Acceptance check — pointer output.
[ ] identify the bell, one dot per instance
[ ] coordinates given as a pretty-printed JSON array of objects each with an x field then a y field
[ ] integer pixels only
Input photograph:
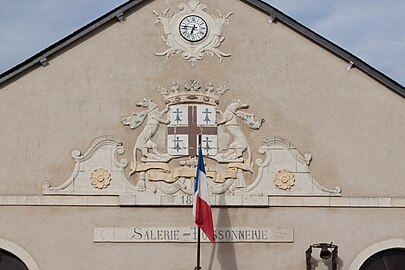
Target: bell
[{"x": 325, "y": 253}]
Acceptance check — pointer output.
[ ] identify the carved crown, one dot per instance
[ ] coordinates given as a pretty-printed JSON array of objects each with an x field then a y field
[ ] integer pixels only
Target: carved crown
[{"x": 192, "y": 91}]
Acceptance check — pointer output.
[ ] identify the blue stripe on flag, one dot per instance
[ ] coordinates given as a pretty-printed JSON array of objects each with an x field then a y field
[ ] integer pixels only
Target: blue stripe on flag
[{"x": 200, "y": 168}]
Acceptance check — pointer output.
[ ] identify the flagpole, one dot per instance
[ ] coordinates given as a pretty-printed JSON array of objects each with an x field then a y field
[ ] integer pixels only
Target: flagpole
[
  {"x": 199, "y": 229},
  {"x": 198, "y": 250}
]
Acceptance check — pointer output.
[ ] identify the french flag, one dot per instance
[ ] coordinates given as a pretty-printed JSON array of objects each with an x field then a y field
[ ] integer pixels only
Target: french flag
[{"x": 201, "y": 203}]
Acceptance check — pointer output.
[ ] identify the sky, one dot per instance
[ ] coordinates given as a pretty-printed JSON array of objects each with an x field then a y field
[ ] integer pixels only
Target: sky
[{"x": 370, "y": 29}]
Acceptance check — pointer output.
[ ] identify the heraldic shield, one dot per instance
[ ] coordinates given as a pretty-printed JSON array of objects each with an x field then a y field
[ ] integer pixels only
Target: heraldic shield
[{"x": 187, "y": 122}]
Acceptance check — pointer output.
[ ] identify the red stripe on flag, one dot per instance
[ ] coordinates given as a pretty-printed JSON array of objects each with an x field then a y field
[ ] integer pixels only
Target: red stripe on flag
[{"x": 203, "y": 218}]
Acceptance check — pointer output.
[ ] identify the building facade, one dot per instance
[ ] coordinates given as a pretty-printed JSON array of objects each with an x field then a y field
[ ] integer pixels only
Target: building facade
[{"x": 303, "y": 144}]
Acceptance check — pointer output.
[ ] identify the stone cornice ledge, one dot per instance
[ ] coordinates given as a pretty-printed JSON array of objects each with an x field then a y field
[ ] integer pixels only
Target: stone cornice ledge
[{"x": 185, "y": 200}]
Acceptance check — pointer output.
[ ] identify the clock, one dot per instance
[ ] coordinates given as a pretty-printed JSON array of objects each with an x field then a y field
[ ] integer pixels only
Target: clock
[{"x": 193, "y": 28}]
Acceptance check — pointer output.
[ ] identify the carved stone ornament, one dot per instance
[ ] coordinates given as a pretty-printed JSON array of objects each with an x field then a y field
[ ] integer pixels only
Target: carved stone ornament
[
  {"x": 100, "y": 178},
  {"x": 192, "y": 110},
  {"x": 192, "y": 32},
  {"x": 102, "y": 153},
  {"x": 284, "y": 179},
  {"x": 165, "y": 164}
]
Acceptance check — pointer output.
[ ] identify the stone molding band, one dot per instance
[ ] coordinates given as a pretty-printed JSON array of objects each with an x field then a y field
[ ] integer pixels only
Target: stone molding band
[{"x": 185, "y": 200}]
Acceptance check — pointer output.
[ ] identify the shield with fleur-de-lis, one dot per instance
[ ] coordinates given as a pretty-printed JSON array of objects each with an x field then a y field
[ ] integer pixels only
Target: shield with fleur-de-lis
[{"x": 187, "y": 122}]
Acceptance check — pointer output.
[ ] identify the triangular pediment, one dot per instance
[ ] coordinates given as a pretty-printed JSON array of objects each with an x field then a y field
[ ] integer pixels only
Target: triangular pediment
[
  {"x": 118, "y": 15},
  {"x": 144, "y": 65}
]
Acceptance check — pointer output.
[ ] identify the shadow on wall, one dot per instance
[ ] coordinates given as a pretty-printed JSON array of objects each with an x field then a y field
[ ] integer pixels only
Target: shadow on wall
[{"x": 225, "y": 251}]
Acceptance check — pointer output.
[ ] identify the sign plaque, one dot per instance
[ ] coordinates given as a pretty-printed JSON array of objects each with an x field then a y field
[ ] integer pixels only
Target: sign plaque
[{"x": 139, "y": 234}]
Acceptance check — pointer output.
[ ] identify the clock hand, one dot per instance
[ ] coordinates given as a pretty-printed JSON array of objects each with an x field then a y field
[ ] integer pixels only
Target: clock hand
[
  {"x": 189, "y": 27},
  {"x": 194, "y": 28}
]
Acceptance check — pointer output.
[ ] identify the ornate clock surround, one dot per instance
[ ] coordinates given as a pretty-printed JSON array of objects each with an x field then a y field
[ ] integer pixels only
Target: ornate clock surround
[{"x": 189, "y": 49}]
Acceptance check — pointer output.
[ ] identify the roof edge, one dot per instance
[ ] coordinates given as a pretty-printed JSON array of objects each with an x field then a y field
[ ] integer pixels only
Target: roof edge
[
  {"x": 276, "y": 14},
  {"x": 330, "y": 46},
  {"x": 62, "y": 43}
]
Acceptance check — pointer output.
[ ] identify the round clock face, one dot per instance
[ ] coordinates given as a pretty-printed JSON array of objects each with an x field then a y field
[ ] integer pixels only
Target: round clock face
[{"x": 193, "y": 28}]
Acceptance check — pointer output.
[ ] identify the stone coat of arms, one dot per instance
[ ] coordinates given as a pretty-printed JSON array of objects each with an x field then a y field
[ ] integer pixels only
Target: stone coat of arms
[
  {"x": 192, "y": 117},
  {"x": 192, "y": 112}
]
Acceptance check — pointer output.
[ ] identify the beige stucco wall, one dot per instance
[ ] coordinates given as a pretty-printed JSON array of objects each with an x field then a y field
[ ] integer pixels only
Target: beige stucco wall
[
  {"x": 353, "y": 126},
  {"x": 62, "y": 237}
]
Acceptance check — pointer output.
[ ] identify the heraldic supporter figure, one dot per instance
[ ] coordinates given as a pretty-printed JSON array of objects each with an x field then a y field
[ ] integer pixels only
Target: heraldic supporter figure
[
  {"x": 144, "y": 142},
  {"x": 229, "y": 118}
]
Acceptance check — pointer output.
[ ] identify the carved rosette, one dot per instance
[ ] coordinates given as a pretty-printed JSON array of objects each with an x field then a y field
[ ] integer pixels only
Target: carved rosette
[
  {"x": 100, "y": 178},
  {"x": 192, "y": 51},
  {"x": 284, "y": 179}
]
